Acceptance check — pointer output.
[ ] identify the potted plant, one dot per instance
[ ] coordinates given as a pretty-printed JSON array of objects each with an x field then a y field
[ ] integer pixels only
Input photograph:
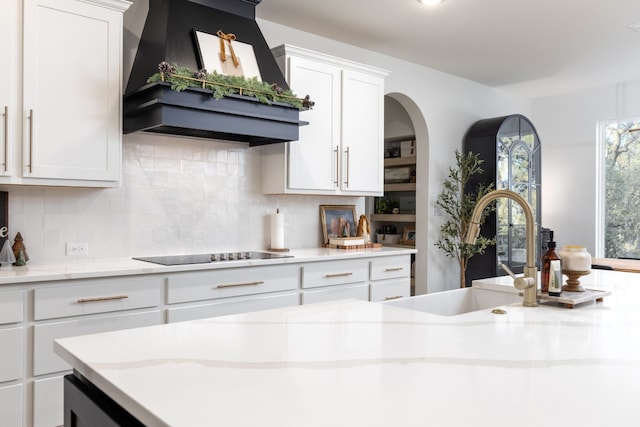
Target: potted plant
[
  {"x": 458, "y": 201},
  {"x": 385, "y": 205}
]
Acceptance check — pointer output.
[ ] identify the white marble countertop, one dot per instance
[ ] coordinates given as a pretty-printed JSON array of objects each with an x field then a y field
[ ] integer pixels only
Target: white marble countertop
[
  {"x": 353, "y": 363},
  {"x": 109, "y": 267}
]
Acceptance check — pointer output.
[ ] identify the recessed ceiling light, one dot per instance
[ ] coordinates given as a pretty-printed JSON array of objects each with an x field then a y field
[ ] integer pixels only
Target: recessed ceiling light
[{"x": 430, "y": 2}]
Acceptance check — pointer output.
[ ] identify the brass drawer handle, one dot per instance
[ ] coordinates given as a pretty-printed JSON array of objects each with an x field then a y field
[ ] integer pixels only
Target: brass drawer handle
[
  {"x": 231, "y": 285},
  {"x": 394, "y": 269},
  {"x": 6, "y": 138},
  {"x": 97, "y": 299},
  {"x": 390, "y": 298},
  {"x": 346, "y": 182},
  {"x": 337, "y": 163},
  {"x": 328, "y": 276},
  {"x": 31, "y": 119}
]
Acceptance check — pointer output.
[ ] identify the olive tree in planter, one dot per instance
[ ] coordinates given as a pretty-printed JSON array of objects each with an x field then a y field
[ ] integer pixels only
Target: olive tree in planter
[{"x": 457, "y": 202}]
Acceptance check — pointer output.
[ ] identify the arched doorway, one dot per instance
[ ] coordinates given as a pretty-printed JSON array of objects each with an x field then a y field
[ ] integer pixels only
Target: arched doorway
[{"x": 404, "y": 122}]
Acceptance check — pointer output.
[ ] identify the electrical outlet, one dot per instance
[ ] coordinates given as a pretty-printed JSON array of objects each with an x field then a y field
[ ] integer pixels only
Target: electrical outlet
[{"x": 77, "y": 249}]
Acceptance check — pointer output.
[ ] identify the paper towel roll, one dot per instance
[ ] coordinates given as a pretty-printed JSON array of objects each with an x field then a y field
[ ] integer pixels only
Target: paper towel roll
[{"x": 277, "y": 230}]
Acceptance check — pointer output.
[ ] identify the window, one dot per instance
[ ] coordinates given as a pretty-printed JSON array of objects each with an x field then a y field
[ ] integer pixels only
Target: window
[{"x": 619, "y": 216}]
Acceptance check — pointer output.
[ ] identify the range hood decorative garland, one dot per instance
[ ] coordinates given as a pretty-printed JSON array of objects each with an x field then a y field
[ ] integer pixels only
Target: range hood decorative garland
[{"x": 182, "y": 78}]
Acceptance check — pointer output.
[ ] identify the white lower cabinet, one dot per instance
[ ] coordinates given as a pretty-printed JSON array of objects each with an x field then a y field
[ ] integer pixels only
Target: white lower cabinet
[
  {"x": 359, "y": 291},
  {"x": 12, "y": 357},
  {"x": 331, "y": 273},
  {"x": 31, "y": 374},
  {"x": 47, "y": 392},
  {"x": 48, "y": 401},
  {"x": 82, "y": 307},
  {"x": 332, "y": 280},
  {"x": 232, "y": 306},
  {"x": 233, "y": 282},
  {"x": 390, "y": 278},
  {"x": 46, "y": 361},
  {"x": 11, "y": 405},
  {"x": 11, "y": 307},
  {"x": 393, "y": 289},
  {"x": 93, "y": 296},
  {"x": 11, "y": 343}
]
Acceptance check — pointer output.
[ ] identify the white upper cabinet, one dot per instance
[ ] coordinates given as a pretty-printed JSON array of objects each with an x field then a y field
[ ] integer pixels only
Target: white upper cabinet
[
  {"x": 340, "y": 151},
  {"x": 9, "y": 111},
  {"x": 65, "y": 126}
]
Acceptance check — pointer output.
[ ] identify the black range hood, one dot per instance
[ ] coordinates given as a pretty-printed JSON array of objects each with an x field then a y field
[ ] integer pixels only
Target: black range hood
[{"x": 168, "y": 35}]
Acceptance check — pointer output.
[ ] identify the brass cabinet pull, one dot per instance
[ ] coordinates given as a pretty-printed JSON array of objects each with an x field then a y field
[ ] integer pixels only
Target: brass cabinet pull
[
  {"x": 346, "y": 182},
  {"x": 231, "y": 285},
  {"x": 6, "y": 137},
  {"x": 328, "y": 276},
  {"x": 337, "y": 166},
  {"x": 97, "y": 299},
  {"x": 390, "y": 298},
  {"x": 394, "y": 269},
  {"x": 30, "y": 165}
]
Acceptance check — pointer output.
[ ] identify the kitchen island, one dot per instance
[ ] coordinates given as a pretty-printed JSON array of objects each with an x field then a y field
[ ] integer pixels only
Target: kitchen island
[{"x": 357, "y": 363}]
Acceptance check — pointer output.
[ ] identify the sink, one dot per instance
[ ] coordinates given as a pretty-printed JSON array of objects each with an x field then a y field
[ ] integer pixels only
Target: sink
[{"x": 459, "y": 301}]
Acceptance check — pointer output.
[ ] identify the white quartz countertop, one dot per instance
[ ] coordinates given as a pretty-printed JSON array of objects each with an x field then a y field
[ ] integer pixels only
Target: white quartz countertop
[
  {"x": 109, "y": 267},
  {"x": 353, "y": 363}
]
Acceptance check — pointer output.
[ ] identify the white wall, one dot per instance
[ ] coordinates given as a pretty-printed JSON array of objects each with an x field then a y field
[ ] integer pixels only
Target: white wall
[
  {"x": 567, "y": 125},
  {"x": 187, "y": 195}
]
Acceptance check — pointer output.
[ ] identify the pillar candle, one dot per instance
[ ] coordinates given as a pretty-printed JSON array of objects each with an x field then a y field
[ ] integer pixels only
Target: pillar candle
[{"x": 277, "y": 230}]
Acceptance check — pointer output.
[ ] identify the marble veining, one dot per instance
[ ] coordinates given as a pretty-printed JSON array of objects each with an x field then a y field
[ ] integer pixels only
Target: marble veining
[{"x": 355, "y": 363}]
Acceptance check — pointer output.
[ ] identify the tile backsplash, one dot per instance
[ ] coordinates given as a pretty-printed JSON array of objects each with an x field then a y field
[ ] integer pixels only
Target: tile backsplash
[{"x": 178, "y": 195}]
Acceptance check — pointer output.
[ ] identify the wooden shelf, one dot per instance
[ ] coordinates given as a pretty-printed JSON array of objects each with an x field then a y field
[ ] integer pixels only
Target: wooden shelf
[
  {"x": 405, "y": 186},
  {"x": 399, "y": 161},
  {"x": 398, "y": 245},
  {"x": 400, "y": 138},
  {"x": 394, "y": 217}
]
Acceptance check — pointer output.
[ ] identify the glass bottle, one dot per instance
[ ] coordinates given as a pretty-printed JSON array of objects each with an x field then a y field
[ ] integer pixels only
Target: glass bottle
[{"x": 551, "y": 276}]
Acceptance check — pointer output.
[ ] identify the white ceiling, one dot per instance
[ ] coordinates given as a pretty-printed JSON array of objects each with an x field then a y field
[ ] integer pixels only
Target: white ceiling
[{"x": 532, "y": 47}]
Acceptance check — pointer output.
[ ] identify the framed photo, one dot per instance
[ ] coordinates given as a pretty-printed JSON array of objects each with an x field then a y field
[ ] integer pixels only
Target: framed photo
[
  {"x": 208, "y": 50},
  {"x": 338, "y": 221},
  {"x": 409, "y": 236}
]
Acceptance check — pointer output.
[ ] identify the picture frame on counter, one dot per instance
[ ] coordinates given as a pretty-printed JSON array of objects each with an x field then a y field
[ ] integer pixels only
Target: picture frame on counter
[
  {"x": 409, "y": 236},
  {"x": 337, "y": 221}
]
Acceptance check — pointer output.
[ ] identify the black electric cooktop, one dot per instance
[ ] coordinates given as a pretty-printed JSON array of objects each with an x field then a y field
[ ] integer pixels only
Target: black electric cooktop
[{"x": 209, "y": 258}]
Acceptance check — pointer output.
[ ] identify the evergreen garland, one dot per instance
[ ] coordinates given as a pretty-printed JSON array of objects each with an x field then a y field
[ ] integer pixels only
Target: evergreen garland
[{"x": 182, "y": 78}]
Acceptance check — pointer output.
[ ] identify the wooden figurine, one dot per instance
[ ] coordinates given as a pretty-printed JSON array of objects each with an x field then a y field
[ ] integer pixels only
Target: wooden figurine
[
  {"x": 364, "y": 229},
  {"x": 18, "y": 246}
]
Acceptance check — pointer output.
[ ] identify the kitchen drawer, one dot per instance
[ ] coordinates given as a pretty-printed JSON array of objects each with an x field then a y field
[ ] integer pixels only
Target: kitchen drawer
[
  {"x": 235, "y": 306},
  {"x": 335, "y": 273},
  {"x": 391, "y": 267},
  {"x": 11, "y": 306},
  {"x": 97, "y": 296},
  {"x": 393, "y": 289},
  {"x": 11, "y": 405},
  {"x": 11, "y": 354},
  {"x": 44, "y": 359},
  {"x": 48, "y": 402},
  {"x": 335, "y": 293},
  {"x": 203, "y": 285}
]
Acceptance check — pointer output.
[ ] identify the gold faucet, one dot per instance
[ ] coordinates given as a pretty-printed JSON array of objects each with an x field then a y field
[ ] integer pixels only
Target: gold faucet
[{"x": 529, "y": 282}]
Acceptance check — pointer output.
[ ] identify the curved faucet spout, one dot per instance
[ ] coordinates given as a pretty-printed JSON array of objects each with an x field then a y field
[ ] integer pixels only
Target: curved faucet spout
[{"x": 530, "y": 271}]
